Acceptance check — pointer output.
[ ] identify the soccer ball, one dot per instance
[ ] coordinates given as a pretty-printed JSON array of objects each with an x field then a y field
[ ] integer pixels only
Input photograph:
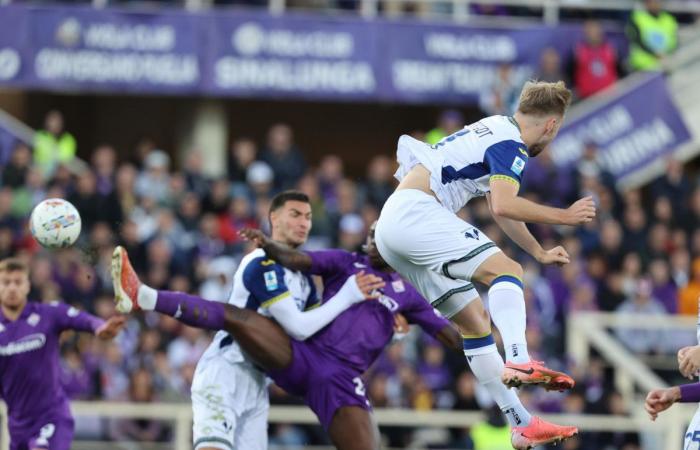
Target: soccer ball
[{"x": 55, "y": 223}]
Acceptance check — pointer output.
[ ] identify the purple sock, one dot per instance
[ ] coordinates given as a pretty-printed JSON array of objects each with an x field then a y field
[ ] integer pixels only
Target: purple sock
[
  {"x": 191, "y": 310},
  {"x": 690, "y": 393}
]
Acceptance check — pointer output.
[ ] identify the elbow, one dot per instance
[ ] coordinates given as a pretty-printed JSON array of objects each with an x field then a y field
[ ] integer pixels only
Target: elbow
[{"x": 498, "y": 210}]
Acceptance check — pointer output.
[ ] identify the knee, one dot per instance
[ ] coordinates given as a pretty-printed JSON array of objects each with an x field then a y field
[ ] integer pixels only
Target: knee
[{"x": 514, "y": 268}]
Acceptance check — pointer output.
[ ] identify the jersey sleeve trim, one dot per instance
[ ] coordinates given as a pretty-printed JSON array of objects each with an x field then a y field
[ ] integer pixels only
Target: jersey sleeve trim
[
  {"x": 314, "y": 306},
  {"x": 275, "y": 299},
  {"x": 505, "y": 178}
]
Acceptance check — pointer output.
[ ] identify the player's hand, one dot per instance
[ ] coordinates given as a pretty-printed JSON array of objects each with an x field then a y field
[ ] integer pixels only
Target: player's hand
[
  {"x": 689, "y": 361},
  {"x": 582, "y": 211},
  {"x": 660, "y": 400},
  {"x": 400, "y": 324},
  {"x": 255, "y": 236},
  {"x": 368, "y": 284},
  {"x": 557, "y": 255},
  {"x": 111, "y": 327}
]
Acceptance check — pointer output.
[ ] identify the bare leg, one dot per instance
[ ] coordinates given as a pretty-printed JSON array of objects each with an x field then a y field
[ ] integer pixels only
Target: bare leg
[{"x": 353, "y": 428}]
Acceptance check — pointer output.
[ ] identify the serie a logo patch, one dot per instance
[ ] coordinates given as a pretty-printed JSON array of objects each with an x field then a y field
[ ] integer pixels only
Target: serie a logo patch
[
  {"x": 271, "y": 282},
  {"x": 518, "y": 165}
]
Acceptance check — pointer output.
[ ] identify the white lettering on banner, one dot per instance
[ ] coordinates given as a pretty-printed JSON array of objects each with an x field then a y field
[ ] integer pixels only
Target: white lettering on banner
[
  {"x": 643, "y": 143},
  {"x": 251, "y": 39},
  {"x": 481, "y": 47},
  {"x": 130, "y": 37},
  {"x": 9, "y": 63},
  {"x": 106, "y": 67},
  {"x": 450, "y": 78},
  {"x": 601, "y": 129},
  {"x": 302, "y": 76}
]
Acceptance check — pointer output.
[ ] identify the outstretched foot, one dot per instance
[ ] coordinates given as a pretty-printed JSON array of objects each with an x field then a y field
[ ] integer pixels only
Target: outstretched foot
[
  {"x": 539, "y": 432},
  {"x": 535, "y": 373},
  {"x": 126, "y": 282}
]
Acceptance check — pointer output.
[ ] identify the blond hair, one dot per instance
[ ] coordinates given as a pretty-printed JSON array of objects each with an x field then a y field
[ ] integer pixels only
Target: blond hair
[
  {"x": 540, "y": 98},
  {"x": 13, "y": 265}
]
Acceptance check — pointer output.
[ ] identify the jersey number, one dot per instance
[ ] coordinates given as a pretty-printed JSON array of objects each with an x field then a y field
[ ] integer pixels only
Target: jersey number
[
  {"x": 694, "y": 437},
  {"x": 359, "y": 386},
  {"x": 45, "y": 434},
  {"x": 450, "y": 138}
]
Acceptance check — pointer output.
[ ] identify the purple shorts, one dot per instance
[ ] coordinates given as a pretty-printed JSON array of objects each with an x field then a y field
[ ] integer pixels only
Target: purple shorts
[
  {"x": 324, "y": 382},
  {"x": 51, "y": 434}
]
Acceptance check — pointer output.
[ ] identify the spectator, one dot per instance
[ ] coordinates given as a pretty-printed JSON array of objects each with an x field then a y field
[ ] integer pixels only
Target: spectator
[
  {"x": 673, "y": 184},
  {"x": 154, "y": 180},
  {"x": 688, "y": 296},
  {"x": 653, "y": 35},
  {"x": 53, "y": 145},
  {"x": 379, "y": 184},
  {"x": 104, "y": 160},
  {"x": 14, "y": 174},
  {"x": 141, "y": 430},
  {"x": 595, "y": 63},
  {"x": 261, "y": 179},
  {"x": 502, "y": 96},
  {"x": 242, "y": 154},
  {"x": 283, "y": 156},
  {"x": 195, "y": 179},
  {"x": 450, "y": 121},
  {"x": 550, "y": 69},
  {"x": 641, "y": 341}
]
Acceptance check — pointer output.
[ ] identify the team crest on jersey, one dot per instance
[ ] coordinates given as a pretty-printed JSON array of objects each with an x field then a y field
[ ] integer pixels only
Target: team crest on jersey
[
  {"x": 518, "y": 165},
  {"x": 73, "y": 312},
  {"x": 271, "y": 282},
  {"x": 398, "y": 286},
  {"x": 33, "y": 319},
  {"x": 389, "y": 303}
]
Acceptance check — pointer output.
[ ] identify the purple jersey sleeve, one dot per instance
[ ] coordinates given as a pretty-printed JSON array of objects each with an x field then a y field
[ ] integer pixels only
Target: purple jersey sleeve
[
  {"x": 330, "y": 262},
  {"x": 70, "y": 318},
  {"x": 419, "y": 312}
]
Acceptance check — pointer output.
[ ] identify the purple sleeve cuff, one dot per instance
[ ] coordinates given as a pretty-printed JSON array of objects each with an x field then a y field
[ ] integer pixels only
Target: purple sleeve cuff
[{"x": 690, "y": 393}]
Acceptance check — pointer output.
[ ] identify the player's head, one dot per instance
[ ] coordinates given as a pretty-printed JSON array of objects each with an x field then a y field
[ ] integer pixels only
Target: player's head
[
  {"x": 290, "y": 217},
  {"x": 370, "y": 248},
  {"x": 540, "y": 113},
  {"x": 14, "y": 283}
]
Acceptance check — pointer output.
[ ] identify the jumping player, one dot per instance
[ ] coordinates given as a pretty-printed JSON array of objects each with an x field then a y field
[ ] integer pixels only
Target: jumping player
[
  {"x": 420, "y": 235},
  {"x": 39, "y": 415},
  {"x": 229, "y": 394},
  {"x": 325, "y": 369}
]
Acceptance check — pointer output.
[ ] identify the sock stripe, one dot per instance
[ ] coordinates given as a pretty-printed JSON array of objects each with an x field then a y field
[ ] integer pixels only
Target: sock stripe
[
  {"x": 508, "y": 278},
  {"x": 477, "y": 342}
]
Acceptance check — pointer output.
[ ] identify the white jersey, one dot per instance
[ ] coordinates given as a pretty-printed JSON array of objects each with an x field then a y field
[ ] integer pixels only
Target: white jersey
[
  {"x": 462, "y": 164},
  {"x": 692, "y": 434},
  {"x": 257, "y": 284}
]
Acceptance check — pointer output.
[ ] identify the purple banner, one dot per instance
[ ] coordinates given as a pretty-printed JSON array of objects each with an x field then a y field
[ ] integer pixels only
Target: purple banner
[
  {"x": 631, "y": 130},
  {"x": 254, "y": 54}
]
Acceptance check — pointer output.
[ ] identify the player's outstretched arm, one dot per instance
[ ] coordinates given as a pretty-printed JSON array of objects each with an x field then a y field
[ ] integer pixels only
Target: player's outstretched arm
[
  {"x": 111, "y": 327},
  {"x": 70, "y": 318},
  {"x": 660, "y": 400},
  {"x": 303, "y": 324},
  {"x": 519, "y": 233},
  {"x": 506, "y": 203},
  {"x": 283, "y": 254}
]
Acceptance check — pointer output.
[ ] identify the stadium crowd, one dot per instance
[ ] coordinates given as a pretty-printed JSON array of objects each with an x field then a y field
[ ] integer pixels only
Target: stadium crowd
[{"x": 642, "y": 254}]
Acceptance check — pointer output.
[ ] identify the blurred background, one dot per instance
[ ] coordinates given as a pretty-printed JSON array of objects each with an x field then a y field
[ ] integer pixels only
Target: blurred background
[{"x": 170, "y": 125}]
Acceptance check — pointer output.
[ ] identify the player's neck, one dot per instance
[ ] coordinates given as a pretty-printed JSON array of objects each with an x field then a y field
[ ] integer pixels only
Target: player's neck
[
  {"x": 280, "y": 240},
  {"x": 13, "y": 313}
]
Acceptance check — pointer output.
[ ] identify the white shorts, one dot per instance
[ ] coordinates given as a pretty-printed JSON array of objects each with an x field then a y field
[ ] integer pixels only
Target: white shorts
[
  {"x": 692, "y": 435},
  {"x": 420, "y": 239},
  {"x": 230, "y": 406}
]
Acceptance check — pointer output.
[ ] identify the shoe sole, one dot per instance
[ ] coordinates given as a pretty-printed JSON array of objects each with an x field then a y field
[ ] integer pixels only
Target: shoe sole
[
  {"x": 555, "y": 441},
  {"x": 546, "y": 382},
  {"x": 123, "y": 304}
]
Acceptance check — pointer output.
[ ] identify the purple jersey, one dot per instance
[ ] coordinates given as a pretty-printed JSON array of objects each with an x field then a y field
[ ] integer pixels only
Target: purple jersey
[
  {"x": 358, "y": 335},
  {"x": 30, "y": 367}
]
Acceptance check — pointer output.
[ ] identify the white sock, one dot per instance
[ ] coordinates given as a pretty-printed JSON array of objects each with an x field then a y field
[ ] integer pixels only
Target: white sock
[
  {"x": 147, "y": 297},
  {"x": 507, "y": 308},
  {"x": 487, "y": 366}
]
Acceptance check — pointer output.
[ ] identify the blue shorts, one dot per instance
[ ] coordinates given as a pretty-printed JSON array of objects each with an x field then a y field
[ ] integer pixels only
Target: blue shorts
[{"x": 324, "y": 382}]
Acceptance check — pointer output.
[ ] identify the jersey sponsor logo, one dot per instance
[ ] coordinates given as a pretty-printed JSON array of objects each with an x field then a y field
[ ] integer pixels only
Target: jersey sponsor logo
[
  {"x": 271, "y": 282},
  {"x": 26, "y": 344},
  {"x": 518, "y": 165},
  {"x": 73, "y": 312},
  {"x": 389, "y": 303},
  {"x": 398, "y": 286},
  {"x": 33, "y": 319}
]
